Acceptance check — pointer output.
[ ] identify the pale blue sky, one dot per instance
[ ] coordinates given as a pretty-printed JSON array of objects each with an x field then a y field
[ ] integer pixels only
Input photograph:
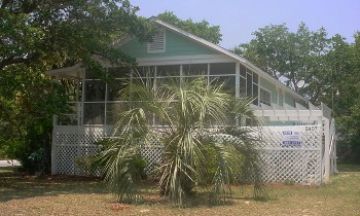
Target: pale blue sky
[{"x": 239, "y": 18}]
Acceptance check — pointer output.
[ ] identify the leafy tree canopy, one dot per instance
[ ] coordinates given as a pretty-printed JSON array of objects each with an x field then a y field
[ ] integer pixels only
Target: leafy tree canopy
[
  {"x": 321, "y": 68},
  {"x": 55, "y": 33},
  {"x": 297, "y": 58},
  {"x": 38, "y": 35},
  {"x": 201, "y": 29}
]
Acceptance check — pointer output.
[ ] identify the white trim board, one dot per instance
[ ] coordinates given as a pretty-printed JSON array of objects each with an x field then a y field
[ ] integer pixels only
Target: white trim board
[{"x": 185, "y": 59}]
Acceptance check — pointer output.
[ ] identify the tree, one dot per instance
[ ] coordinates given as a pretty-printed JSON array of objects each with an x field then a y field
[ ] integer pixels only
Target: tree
[
  {"x": 297, "y": 58},
  {"x": 321, "y": 68},
  {"x": 201, "y": 29},
  {"x": 58, "y": 33},
  {"x": 38, "y": 35},
  {"x": 345, "y": 97},
  {"x": 195, "y": 151}
]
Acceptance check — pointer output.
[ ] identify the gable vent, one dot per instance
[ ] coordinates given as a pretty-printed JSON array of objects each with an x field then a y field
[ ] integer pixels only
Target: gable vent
[{"x": 157, "y": 45}]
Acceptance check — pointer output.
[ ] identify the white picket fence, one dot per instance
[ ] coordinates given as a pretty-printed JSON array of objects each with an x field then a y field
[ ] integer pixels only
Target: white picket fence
[{"x": 304, "y": 154}]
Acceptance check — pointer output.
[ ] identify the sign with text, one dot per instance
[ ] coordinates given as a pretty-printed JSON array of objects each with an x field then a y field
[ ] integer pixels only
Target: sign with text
[
  {"x": 295, "y": 136},
  {"x": 292, "y": 137}
]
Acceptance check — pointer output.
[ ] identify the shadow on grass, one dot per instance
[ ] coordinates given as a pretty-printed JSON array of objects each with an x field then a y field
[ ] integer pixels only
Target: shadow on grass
[
  {"x": 14, "y": 185},
  {"x": 200, "y": 198},
  {"x": 349, "y": 167}
]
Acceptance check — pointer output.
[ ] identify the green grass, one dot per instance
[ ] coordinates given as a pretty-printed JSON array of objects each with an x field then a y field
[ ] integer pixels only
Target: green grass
[{"x": 26, "y": 195}]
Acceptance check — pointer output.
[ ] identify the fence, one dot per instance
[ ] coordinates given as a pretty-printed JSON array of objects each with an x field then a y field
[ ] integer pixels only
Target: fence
[{"x": 304, "y": 154}]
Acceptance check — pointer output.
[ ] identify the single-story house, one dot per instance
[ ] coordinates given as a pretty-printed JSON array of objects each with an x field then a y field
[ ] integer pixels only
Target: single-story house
[{"x": 286, "y": 116}]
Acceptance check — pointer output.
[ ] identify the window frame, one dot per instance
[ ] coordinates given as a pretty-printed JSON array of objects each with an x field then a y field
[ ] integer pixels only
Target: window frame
[{"x": 268, "y": 91}]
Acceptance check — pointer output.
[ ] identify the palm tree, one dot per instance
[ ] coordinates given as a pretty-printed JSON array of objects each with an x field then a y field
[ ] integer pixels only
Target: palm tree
[{"x": 198, "y": 128}]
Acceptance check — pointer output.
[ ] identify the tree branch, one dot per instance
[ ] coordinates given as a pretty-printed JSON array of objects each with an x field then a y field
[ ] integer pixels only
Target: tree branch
[{"x": 16, "y": 60}]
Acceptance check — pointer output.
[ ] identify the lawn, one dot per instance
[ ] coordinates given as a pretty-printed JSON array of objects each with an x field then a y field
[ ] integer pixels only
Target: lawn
[{"x": 26, "y": 195}]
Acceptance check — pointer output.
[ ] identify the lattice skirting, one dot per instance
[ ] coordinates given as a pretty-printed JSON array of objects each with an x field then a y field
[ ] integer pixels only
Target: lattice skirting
[{"x": 280, "y": 163}]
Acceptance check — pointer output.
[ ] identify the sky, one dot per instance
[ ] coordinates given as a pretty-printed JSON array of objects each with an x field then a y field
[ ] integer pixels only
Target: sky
[{"x": 239, "y": 18}]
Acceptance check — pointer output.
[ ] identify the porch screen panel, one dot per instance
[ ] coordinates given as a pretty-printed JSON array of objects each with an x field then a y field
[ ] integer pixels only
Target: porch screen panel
[
  {"x": 265, "y": 97},
  {"x": 223, "y": 73},
  {"x": 94, "y": 102},
  {"x": 255, "y": 94},
  {"x": 119, "y": 72},
  {"x": 255, "y": 88},
  {"x": 242, "y": 70},
  {"x": 113, "y": 110},
  {"x": 227, "y": 82},
  {"x": 145, "y": 72},
  {"x": 94, "y": 113},
  {"x": 94, "y": 90},
  {"x": 242, "y": 81},
  {"x": 168, "y": 75},
  {"x": 242, "y": 86},
  {"x": 249, "y": 83},
  {"x": 168, "y": 70},
  {"x": 114, "y": 89},
  {"x": 222, "y": 69},
  {"x": 195, "y": 71}
]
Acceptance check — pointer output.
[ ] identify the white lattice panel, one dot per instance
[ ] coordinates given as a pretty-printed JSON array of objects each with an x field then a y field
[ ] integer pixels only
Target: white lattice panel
[
  {"x": 152, "y": 155},
  {"x": 71, "y": 143},
  {"x": 300, "y": 163}
]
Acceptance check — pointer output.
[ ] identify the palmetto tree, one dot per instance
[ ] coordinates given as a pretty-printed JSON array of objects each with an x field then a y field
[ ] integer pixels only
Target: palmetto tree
[{"x": 201, "y": 143}]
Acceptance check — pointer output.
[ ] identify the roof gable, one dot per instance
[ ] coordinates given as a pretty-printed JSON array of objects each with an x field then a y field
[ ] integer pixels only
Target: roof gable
[
  {"x": 221, "y": 50},
  {"x": 180, "y": 43},
  {"x": 175, "y": 45}
]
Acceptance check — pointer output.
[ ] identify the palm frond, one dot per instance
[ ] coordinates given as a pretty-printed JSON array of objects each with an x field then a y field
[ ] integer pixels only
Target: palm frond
[{"x": 195, "y": 114}]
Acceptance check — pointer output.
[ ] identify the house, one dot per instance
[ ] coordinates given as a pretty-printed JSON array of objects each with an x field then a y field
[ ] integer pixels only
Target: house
[{"x": 293, "y": 129}]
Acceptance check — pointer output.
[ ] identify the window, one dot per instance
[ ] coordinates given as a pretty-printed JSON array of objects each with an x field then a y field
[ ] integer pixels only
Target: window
[
  {"x": 157, "y": 45},
  {"x": 265, "y": 97}
]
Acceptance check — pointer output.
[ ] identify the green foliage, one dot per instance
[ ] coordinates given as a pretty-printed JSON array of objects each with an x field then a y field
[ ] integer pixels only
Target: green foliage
[
  {"x": 298, "y": 58},
  {"x": 201, "y": 29},
  {"x": 195, "y": 115},
  {"x": 58, "y": 34},
  {"x": 36, "y": 36},
  {"x": 321, "y": 68},
  {"x": 122, "y": 169},
  {"x": 28, "y": 100}
]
